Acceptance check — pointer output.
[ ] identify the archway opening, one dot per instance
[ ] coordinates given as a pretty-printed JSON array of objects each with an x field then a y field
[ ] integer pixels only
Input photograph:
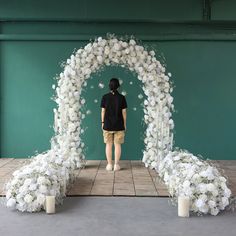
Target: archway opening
[{"x": 131, "y": 88}]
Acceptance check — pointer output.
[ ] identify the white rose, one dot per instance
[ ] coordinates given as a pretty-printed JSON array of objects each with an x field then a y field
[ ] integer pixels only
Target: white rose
[
  {"x": 107, "y": 50},
  {"x": 127, "y": 51},
  {"x": 227, "y": 192},
  {"x": 212, "y": 203},
  {"x": 28, "y": 198},
  {"x": 117, "y": 46},
  {"x": 199, "y": 203},
  {"x": 204, "y": 208},
  {"x": 132, "y": 42},
  {"x": 124, "y": 44},
  {"x": 214, "y": 211},
  {"x": 16, "y": 172},
  {"x": 41, "y": 179},
  {"x": 27, "y": 182},
  {"x": 32, "y": 187},
  {"x": 225, "y": 201},
  {"x": 40, "y": 198},
  {"x": 222, "y": 178},
  {"x": 203, "y": 173},
  {"x": 215, "y": 193},
  {"x": 202, "y": 187},
  {"x": 203, "y": 197},
  {"x": 100, "y": 59},
  {"x": 211, "y": 187},
  {"x": 43, "y": 189},
  {"x": 154, "y": 164},
  {"x": 11, "y": 202}
]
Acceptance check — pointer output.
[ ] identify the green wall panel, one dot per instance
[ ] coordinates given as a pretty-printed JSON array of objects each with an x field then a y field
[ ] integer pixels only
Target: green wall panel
[
  {"x": 204, "y": 97},
  {"x": 26, "y": 108}
]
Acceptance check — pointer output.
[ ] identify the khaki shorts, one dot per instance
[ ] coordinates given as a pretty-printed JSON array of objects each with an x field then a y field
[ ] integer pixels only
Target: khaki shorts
[{"x": 113, "y": 136}]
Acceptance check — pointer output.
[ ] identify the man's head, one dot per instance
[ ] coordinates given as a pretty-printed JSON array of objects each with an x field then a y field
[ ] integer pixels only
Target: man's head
[{"x": 114, "y": 84}]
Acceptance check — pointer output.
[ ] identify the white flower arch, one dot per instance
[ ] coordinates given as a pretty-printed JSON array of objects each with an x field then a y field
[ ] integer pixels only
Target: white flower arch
[
  {"x": 157, "y": 107},
  {"x": 51, "y": 172}
]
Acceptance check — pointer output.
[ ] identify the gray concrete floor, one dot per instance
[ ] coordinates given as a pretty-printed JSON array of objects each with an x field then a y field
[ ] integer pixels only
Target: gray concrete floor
[{"x": 94, "y": 215}]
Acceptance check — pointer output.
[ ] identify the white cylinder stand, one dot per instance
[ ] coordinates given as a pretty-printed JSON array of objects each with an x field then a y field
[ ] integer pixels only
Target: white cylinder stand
[
  {"x": 50, "y": 204},
  {"x": 183, "y": 206}
]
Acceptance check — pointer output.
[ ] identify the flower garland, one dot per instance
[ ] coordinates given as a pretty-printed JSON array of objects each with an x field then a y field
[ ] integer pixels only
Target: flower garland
[
  {"x": 187, "y": 175},
  {"x": 50, "y": 172},
  {"x": 157, "y": 107},
  {"x": 45, "y": 175}
]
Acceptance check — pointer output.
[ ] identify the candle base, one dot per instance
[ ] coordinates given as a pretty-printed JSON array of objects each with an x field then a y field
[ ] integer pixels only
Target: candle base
[
  {"x": 50, "y": 205},
  {"x": 183, "y": 206}
]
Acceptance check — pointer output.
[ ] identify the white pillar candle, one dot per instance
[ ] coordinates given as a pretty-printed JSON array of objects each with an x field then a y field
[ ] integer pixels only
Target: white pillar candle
[
  {"x": 183, "y": 206},
  {"x": 50, "y": 204}
]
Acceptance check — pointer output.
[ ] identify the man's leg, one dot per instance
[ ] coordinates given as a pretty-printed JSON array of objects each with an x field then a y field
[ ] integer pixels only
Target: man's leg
[
  {"x": 118, "y": 140},
  {"x": 109, "y": 152},
  {"x": 117, "y": 152}
]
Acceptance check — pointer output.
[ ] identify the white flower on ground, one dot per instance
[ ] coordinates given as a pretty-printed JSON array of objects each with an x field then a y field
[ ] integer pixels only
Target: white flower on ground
[{"x": 11, "y": 202}]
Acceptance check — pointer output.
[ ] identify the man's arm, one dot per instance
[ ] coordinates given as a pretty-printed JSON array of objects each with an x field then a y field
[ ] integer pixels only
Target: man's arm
[
  {"x": 102, "y": 115},
  {"x": 124, "y": 114}
]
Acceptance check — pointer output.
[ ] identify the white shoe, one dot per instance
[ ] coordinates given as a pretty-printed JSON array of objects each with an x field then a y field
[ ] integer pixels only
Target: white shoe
[
  {"x": 109, "y": 167},
  {"x": 116, "y": 167}
]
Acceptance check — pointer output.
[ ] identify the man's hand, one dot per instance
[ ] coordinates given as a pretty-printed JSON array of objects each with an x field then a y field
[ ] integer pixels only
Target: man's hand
[
  {"x": 124, "y": 117},
  {"x": 102, "y": 116}
]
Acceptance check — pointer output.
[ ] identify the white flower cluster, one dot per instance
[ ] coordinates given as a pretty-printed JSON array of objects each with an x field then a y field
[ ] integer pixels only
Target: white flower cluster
[
  {"x": 45, "y": 175},
  {"x": 156, "y": 86},
  {"x": 187, "y": 175}
]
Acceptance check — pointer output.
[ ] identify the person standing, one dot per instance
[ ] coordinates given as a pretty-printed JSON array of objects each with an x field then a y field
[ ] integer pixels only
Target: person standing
[{"x": 113, "y": 116}]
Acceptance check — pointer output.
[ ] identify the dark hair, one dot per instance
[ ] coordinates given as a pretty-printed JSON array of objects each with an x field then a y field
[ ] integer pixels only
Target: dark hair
[{"x": 114, "y": 84}]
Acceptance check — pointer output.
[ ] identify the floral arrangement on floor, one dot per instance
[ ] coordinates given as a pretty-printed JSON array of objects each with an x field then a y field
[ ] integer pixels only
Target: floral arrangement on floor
[
  {"x": 188, "y": 175},
  {"x": 51, "y": 172},
  {"x": 45, "y": 175}
]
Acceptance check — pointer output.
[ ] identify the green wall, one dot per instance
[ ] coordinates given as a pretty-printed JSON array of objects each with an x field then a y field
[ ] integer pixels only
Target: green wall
[{"x": 198, "y": 49}]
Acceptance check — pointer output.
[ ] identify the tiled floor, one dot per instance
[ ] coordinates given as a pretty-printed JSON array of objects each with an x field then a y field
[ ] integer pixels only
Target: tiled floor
[{"x": 134, "y": 179}]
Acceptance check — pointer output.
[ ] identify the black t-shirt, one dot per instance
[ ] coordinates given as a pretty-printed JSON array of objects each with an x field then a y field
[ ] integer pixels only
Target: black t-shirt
[{"x": 113, "y": 104}]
